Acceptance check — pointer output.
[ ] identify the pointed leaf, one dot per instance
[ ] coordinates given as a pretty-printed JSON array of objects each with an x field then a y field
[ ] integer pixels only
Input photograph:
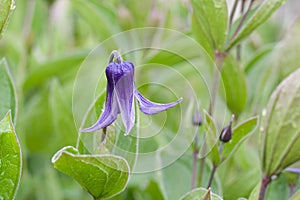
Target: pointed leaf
[
  {"x": 6, "y": 8},
  {"x": 239, "y": 134},
  {"x": 211, "y": 18},
  {"x": 103, "y": 176},
  {"x": 8, "y": 93},
  {"x": 211, "y": 140},
  {"x": 200, "y": 194},
  {"x": 281, "y": 129},
  {"x": 235, "y": 85},
  {"x": 10, "y": 159},
  {"x": 265, "y": 10}
]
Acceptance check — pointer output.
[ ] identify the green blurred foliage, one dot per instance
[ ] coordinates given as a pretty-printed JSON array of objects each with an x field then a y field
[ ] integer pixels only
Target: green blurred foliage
[{"x": 46, "y": 42}]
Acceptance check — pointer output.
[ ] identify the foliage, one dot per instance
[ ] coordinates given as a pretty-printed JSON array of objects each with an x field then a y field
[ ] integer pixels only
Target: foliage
[{"x": 223, "y": 57}]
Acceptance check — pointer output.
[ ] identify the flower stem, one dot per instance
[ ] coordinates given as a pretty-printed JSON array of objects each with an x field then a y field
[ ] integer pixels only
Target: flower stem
[
  {"x": 292, "y": 188},
  {"x": 213, "y": 171},
  {"x": 219, "y": 60},
  {"x": 200, "y": 171},
  {"x": 239, "y": 46},
  {"x": 117, "y": 55},
  {"x": 195, "y": 158},
  {"x": 233, "y": 12},
  {"x": 194, "y": 168},
  {"x": 263, "y": 187},
  {"x": 242, "y": 20}
]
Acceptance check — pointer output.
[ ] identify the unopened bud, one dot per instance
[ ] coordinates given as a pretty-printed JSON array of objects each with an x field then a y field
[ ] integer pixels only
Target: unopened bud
[
  {"x": 197, "y": 118},
  {"x": 226, "y": 133}
]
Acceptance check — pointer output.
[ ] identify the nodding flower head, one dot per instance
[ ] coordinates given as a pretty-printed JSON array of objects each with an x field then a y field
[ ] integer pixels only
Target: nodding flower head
[{"x": 120, "y": 94}]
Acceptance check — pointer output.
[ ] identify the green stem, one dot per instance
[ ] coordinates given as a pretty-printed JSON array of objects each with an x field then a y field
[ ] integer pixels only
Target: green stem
[
  {"x": 194, "y": 168},
  {"x": 200, "y": 172},
  {"x": 219, "y": 60}
]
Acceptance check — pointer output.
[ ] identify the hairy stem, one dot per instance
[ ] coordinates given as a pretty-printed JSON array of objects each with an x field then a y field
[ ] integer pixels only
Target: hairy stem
[{"x": 263, "y": 187}]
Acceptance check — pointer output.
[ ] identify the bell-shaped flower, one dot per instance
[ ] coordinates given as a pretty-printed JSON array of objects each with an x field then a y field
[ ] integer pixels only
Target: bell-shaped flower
[{"x": 120, "y": 96}]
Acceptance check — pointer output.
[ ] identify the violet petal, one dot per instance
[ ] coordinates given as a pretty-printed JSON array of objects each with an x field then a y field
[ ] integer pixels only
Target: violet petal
[
  {"x": 148, "y": 107},
  {"x": 294, "y": 170},
  {"x": 124, "y": 87},
  {"x": 111, "y": 109}
]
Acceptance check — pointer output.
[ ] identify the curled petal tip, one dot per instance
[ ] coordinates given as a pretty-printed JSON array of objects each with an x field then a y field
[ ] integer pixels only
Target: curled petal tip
[
  {"x": 294, "y": 170},
  {"x": 148, "y": 107}
]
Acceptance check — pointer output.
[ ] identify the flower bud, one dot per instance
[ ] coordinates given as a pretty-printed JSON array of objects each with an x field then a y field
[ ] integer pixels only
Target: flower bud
[
  {"x": 226, "y": 133},
  {"x": 197, "y": 118}
]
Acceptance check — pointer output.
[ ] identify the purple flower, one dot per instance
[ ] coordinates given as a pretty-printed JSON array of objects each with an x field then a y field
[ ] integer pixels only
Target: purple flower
[{"x": 120, "y": 96}]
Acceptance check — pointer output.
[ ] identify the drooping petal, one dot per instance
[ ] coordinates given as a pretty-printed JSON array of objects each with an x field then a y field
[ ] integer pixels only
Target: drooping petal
[
  {"x": 294, "y": 170},
  {"x": 124, "y": 88},
  {"x": 148, "y": 107},
  {"x": 111, "y": 109}
]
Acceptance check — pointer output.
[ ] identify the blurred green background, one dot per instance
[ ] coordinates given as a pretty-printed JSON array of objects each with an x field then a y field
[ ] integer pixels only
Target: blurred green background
[{"x": 46, "y": 41}]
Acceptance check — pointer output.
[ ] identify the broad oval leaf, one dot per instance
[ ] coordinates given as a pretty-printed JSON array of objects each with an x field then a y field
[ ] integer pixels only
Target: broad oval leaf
[
  {"x": 6, "y": 7},
  {"x": 200, "y": 194},
  {"x": 7, "y": 94},
  {"x": 10, "y": 159},
  {"x": 281, "y": 129},
  {"x": 103, "y": 176},
  {"x": 210, "y": 20},
  {"x": 239, "y": 134},
  {"x": 235, "y": 85},
  {"x": 264, "y": 11}
]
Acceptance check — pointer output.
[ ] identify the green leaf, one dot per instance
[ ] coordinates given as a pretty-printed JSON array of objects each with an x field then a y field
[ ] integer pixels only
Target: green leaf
[
  {"x": 290, "y": 48},
  {"x": 52, "y": 110},
  {"x": 211, "y": 140},
  {"x": 54, "y": 67},
  {"x": 210, "y": 18},
  {"x": 103, "y": 176},
  {"x": 10, "y": 159},
  {"x": 6, "y": 8},
  {"x": 296, "y": 196},
  {"x": 96, "y": 13},
  {"x": 240, "y": 168},
  {"x": 264, "y": 11},
  {"x": 8, "y": 93},
  {"x": 200, "y": 194},
  {"x": 239, "y": 134},
  {"x": 235, "y": 85},
  {"x": 281, "y": 130},
  {"x": 258, "y": 56}
]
